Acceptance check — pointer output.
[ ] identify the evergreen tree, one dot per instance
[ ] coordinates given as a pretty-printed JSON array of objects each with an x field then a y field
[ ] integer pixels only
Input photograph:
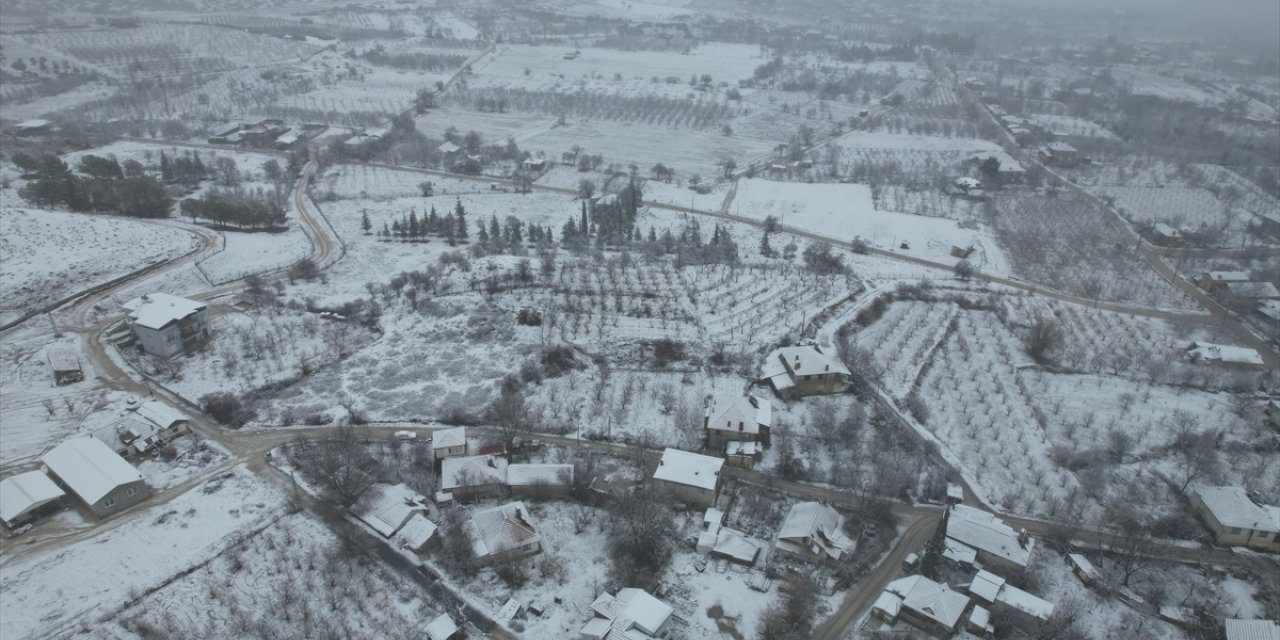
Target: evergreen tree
[
  {"x": 582, "y": 225},
  {"x": 461, "y": 222},
  {"x": 495, "y": 229},
  {"x": 765, "y": 249},
  {"x": 932, "y": 555},
  {"x": 414, "y": 231},
  {"x": 166, "y": 171},
  {"x": 365, "y": 224}
]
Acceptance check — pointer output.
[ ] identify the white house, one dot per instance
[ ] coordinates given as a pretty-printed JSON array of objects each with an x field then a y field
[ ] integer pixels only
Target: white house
[
  {"x": 98, "y": 476},
  {"x": 723, "y": 542},
  {"x": 996, "y": 543},
  {"x": 167, "y": 325},
  {"x": 802, "y": 371},
  {"x": 27, "y": 496},
  {"x": 633, "y": 614},
  {"x": 386, "y": 508},
  {"x": 506, "y": 531},
  {"x": 416, "y": 533},
  {"x": 689, "y": 477},
  {"x": 733, "y": 418},
  {"x": 1235, "y": 519},
  {"x": 1010, "y": 600},
  {"x": 923, "y": 603},
  {"x": 1225, "y": 355},
  {"x": 447, "y": 443},
  {"x": 472, "y": 477},
  {"x": 814, "y": 532}
]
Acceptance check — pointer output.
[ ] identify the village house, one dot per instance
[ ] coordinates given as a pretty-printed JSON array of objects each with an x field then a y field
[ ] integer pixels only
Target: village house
[
  {"x": 1243, "y": 629},
  {"x": 1225, "y": 355},
  {"x": 65, "y": 366},
  {"x": 1009, "y": 170},
  {"x": 1213, "y": 280},
  {"x": 1167, "y": 236},
  {"x": 540, "y": 480},
  {"x": 720, "y": 541},
  {"x": 504, "y": 532},
  {"x": 33, "y": 127},
  {"x": 26, "y": 497},
  {"x": 167, "y": 325},
  {"x": 1235, "y": 519},
  {"x": 1059, "y": 153},
  {"x": 814, "y": 532},
  {"x": 533, "y": 164},
  {"x": 416, "y": 534},
  {"x": 927, "y": 605},
  {"x": 994, "y": 544},
  {"x": 802, "y": 371},
  {"x": 1252, "y": 290},
  {"x": 689, "y": 477},
  {"x": 449, "y": 443},
  {"x": 98, "y": 476},
  {"x": 736, "y": 419},
  {"x": 1084, "y": 569},
  {"x": 145, "y": 428},
  {"x": 443, "y": 628},
  {"x": 473, "y": 477},
  {"x": 632, "y": 614},
  {"x": 387, "y": 508},
  {"x": 1009, "y": 602}
]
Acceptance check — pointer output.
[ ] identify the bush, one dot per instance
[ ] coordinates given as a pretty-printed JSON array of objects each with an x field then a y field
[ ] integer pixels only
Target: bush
[
  {"x": 226, "y": 408},
  {"x": 529, "y": 317},
  {"x": 819, "y": 259},
  {"x": 667, "y": 351},
  {"x": 559, "y": 360},
  {"x": 512, "y": 572}
]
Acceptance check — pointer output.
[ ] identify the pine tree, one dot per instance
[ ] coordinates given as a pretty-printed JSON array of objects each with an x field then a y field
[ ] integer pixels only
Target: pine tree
[
  {"x": 765, "y": 249},
  {"x": 414, "y": 231},
  {"x": 495, "y": 229},
  {"x": 461, "y": 222},
  {"x": 582, "y": 225},
  {"x": 932, "y": 555},
  {"x": 365, "y": 224},
  {"x": 166, "y": 171}
]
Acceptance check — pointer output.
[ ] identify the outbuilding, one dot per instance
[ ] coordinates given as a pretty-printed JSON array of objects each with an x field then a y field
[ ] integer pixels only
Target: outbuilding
[{"x": 98, "y": 476}]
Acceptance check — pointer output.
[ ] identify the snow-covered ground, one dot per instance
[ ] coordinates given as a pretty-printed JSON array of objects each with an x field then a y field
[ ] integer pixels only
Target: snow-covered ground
[
  {"x": 48, "y": 255},
  {"x": 67, "y": 588},
  {"x": 846, "y": 211}
]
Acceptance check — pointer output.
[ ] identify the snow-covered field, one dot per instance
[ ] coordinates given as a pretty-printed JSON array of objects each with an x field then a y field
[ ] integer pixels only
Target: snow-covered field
[
  {"x": 244, "y": 253},
  {"x": 846, "y": 211},
  {"x": 66, "y": 588},
  {"x": 48, "y": 255}
]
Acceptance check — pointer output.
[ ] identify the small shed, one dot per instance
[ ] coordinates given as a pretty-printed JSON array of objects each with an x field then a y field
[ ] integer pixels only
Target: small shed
[
  {"x": 26, "y": 497},
  {"x": 66, "y": 366},
  {"x": 442, "y": 628}
]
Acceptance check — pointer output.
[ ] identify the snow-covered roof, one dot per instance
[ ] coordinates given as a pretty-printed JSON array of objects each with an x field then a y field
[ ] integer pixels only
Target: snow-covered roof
[
  {"x": 502, "y": 528},
  {"x": 472, "y": 471},
  {"x": 1227, "y": 276},
  {"x": 160, "y": 414},
  {"x": 687, "y": 468},
  {"x": 1167, "y": 231},
  {"x": 959, "y": 553},
  {"x": 524, "y": 475},
  {"x": 63, "y": 360},
  {"x": 968, "y": 183},
  {"x": 442, "y": 627},
  {"x": 985, "y": 532},
  {"x": 740, "y": 448},
  {"x": 89, "y": 468},
  {"x": 1253, "y": 289},
  {"x": 158, "y": 310},
  {"x": 986, "y": 585},
  {"x": 24, "y": 492},
  {"x": 816, "y": 527},
  {"x": 446, "y": 438},
  {"x": 807, "y": 360},
  {"x": 1007, "y": 163},
  {"x": 1270, "y": 309},
  {"x": 1027, "y": 603},
  {"x": 930, "y": 599},
  {"x": 1060, "y": 147},
  {"x": 1232, "y": 507},
  {"x": 980, "y": 617},
  {"x": 889, "y": 603},
  {"x": 34, "y": 123},
  {"x": 736, "y": 545},
  {"x": 1083, "y": 564},
  {"x": 416, "y": 532},
  {"x": 645, "y": 611},
  {"x": 1241, "y": 629},
  {"x": 448, "y": 147},
  {"x": 386, "y": 507},
  {"x": 1224, "y": 353},
  {"x": 726, "y": 413}
]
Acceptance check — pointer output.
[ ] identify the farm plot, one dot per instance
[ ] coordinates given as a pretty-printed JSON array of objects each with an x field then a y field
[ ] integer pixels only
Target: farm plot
[
  {"x": 1241, "y": 191},
  {"x": 902, "y": 341},
  {"x": 157, "y": 48},
  {"x": 247, "y": 253},
  {"x": 547, "y": 65},
  {"x": 846, "y": 211},
  {"x": 1187, "y": 207},
  {"x": 1105, "y": 430},
  {"x": 377, "y": 91},
  {"x": 250, "y": 351},
  {"x": 174, "y": 537},
  {"x": 1065, "y": 243},
  {"x": 293, "y": 578},
  {"x": 367, "y": 182},
  {"x": 48, "y": 255}
]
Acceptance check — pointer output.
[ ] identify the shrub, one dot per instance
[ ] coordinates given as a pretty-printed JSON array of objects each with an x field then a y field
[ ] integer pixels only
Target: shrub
[
  {"x": 667, "y": 351},
  {"x": 529, "y": 317},
  {"x": 226, "y": 408}
]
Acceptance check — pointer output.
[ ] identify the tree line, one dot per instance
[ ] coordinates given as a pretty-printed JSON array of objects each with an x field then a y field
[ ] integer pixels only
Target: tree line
[
  {"x": 96, "y": 184},
  {"x": 246, "y": 210}
]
